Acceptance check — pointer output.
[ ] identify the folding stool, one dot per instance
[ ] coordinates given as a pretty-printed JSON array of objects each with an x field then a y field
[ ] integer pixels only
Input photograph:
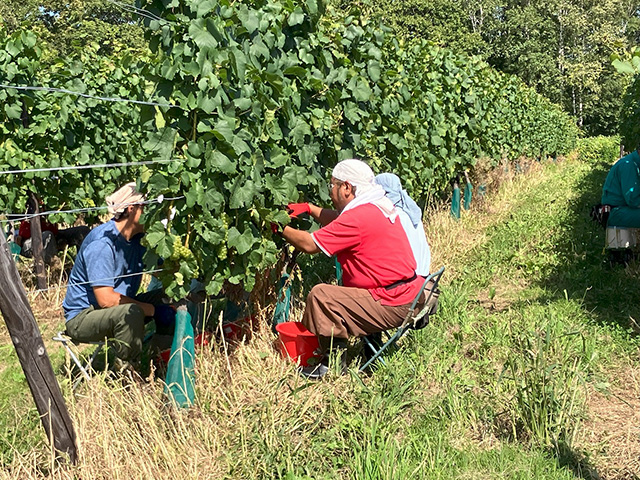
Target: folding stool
[{"x": 412, "y": 320}]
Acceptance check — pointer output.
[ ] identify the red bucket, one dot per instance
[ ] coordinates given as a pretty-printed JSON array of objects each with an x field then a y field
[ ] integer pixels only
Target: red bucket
[
  {"x": 163, "y": 357},
  {"x": 202, "y": 339},
  {"x": 296, "y": 342},
  {"x": 232, "y": 332}
]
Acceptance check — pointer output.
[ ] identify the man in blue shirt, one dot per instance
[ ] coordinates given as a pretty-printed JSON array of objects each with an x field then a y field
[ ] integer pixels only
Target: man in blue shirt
[{"x": 101, "y": 300}]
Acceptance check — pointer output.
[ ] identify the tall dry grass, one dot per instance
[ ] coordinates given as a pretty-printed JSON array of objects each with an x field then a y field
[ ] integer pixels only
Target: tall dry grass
[{"x": 250, "y": 404}]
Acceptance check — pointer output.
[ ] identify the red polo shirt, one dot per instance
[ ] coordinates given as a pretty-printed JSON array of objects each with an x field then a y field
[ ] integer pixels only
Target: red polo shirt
[
  {"x": 373, "y": 252},
  {"x": 25, "y": 228}
]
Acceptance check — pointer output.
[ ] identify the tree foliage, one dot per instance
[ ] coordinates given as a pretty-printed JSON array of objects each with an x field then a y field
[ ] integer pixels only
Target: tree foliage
[
  {"x": 456, "y": 25},
  {"x": 630, "y": 118},
  {"x": 559, "y": 47},
  {"x": 628, "y": 63},
  {"x": 562, "y": 48},
  {"x": 598, "y": 149},
  {"x": 65, "y": 27}
]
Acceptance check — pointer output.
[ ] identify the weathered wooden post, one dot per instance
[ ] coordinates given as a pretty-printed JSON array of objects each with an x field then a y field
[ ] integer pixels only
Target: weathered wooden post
[
  {"x": 33, "y": 357},
  {"x": 36, "y": 245}
]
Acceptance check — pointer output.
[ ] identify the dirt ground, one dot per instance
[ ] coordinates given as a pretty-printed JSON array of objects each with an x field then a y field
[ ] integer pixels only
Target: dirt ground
[{"x": 612, "y": 428}]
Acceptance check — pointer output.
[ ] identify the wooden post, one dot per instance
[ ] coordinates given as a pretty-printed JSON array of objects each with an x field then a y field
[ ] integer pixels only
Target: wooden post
[
  {"x": 33, "y": 357},
  {"x": 36, "y": 245}
]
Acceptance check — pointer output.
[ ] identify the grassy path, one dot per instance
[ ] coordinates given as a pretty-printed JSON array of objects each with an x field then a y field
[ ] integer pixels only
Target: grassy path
[
  {"x": 528, "y": 371},
  {"x": 536, "y": 342}
]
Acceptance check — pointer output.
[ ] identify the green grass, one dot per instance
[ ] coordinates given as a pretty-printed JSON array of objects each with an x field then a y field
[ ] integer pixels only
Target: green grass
[
  {"x": 493, "y": 388},
  {"x": 19, "y": 423}
]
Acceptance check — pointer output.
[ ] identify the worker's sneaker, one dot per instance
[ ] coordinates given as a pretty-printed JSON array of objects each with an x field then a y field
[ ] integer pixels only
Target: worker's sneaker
[
  {"x": 314, "y": 372},
  {"x": 335, "y": 360}
]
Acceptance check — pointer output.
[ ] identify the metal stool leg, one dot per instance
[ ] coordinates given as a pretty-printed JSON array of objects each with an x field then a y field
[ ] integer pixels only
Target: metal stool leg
[{"x": 84, "y": 369}]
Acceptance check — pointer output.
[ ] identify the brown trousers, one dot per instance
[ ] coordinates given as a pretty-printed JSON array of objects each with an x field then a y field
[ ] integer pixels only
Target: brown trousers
[{"x": 342, "y": 312}]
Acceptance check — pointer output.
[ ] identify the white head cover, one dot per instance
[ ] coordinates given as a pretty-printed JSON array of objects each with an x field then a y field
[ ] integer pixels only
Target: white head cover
[
  {"x": 360, "y": 175},
  {"x": 118, "y": 201}
]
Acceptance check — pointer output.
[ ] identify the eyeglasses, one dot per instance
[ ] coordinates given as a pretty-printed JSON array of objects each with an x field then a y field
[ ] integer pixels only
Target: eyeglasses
[{"x": 331, "y": 185}]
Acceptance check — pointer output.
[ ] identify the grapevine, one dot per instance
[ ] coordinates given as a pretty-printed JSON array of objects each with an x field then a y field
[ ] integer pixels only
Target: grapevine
[{"x": 268, "y": 96}]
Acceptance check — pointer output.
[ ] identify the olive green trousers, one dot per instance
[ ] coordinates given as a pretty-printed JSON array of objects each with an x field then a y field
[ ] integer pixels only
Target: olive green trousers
[{"x": 122, "y": 326}]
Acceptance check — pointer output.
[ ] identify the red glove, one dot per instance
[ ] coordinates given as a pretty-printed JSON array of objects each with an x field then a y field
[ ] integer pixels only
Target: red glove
[
  {"x": 276, "y": 229},
  {"x": 296, "y": 209}
]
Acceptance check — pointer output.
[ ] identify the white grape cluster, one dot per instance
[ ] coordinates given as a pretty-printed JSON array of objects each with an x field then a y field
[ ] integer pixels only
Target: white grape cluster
[{"x": 181, "y": 254}]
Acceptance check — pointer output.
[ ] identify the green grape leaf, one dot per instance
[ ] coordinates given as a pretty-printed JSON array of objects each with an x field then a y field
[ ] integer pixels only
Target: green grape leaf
[
  {"x": 13, "y": 111},
  {"x": 221, "y": 162},
  {"x": 242, "y": 242},
  {"x": 242, "y": 194},
  {"x": 198, "y": 30}
]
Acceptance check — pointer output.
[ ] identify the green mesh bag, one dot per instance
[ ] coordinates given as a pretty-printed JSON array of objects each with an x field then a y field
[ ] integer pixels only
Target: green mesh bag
[
  {"x": 455, "y": 201},
  {"x": 283, "y": 303},
  {"x": 283, "y": 299},
  {"x": 180, "y": 379},
  {"x": 15, "y": 251},
  {"x": 468, "y": 192},
  {"x": 338, "y": 270}
]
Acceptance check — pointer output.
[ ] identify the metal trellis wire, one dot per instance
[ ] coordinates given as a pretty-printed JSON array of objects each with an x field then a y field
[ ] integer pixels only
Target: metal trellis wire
[
  {"x": 15, "y": 217},
  {"x": 85, "y": 95}
]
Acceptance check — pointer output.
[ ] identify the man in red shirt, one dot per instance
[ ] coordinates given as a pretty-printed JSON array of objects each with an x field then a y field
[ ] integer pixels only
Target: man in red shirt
[
  {"x": 49, "y": 232},
  {"x": 379, "y": 269},
  {"x": 52, "y": 237}
]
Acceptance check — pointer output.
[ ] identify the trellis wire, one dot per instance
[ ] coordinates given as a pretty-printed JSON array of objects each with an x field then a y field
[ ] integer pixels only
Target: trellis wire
[
  {"x": 85, "y": 95},
  {"x": 84, "y": 167},
  {"x": 59, "y": 287},
  {"x": 160, "y": 199}
]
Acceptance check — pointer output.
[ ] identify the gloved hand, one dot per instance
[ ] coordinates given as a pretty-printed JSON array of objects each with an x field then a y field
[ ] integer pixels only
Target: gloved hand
[
  {"x": 165, "y": 316},
  {"x": 296, "y": 209},
  {"x": 276, "y": 228}
]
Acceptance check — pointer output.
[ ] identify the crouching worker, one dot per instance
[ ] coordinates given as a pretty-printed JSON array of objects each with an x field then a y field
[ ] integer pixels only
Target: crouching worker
[
  {"x": 621, "y": 192},
  {"x": 101, "y": 301},
  {"x": 411, "y": 218},
  {"x": 53, "y": 238},
  {"x": 379, "y": 269}
]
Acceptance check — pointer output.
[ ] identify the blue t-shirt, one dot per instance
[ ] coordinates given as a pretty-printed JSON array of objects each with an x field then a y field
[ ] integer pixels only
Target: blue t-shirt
[{"x": 104, "y": 255}]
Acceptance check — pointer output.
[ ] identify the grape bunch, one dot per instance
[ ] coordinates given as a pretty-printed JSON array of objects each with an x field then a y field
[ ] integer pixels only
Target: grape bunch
[
  {"x": 180, "y": 252},
  {"x": 182, "y": 255},
  {"x": 222, "y": 248}
]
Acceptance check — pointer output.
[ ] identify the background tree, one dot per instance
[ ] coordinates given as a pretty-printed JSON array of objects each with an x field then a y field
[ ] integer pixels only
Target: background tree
[
  {"x": 457, "y": 25},
  {"x": 67, "y": 26},
  {"x": 562, "y": 48}
]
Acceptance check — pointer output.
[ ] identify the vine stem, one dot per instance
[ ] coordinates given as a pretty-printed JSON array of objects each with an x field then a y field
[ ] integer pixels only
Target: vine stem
[
  {"x": 195, "y": 124},
  {"x": 186, "y": 240}
]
